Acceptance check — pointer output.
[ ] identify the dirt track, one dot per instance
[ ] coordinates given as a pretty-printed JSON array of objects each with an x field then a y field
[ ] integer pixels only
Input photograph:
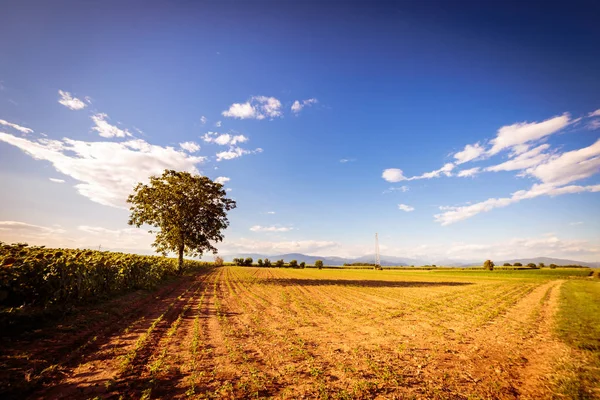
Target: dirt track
[{"x": 234, "y": 333}]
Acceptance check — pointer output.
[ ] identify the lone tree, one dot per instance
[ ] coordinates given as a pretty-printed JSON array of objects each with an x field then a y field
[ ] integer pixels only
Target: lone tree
[
  {"x": 188, "y": 211},
  {"x": 319, "y": 264},
  {"x": 489, "y": 265}
]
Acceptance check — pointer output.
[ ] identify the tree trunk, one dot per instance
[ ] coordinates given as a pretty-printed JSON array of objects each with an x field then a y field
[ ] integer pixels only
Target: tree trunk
[{"x": 180, "y": 266}]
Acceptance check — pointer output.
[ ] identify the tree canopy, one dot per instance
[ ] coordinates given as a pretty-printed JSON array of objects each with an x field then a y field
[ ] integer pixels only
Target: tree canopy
[{"x": 188, "y": 211}]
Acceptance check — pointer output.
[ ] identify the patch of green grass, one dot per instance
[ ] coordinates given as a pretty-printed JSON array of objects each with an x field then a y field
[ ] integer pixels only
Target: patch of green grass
[
  {"x": 578, "y": 325},
  {"x": 579, "y": 315}
]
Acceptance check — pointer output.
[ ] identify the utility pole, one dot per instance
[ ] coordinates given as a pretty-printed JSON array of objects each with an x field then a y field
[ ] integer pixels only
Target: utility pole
[{"x": 377, "y": 257}]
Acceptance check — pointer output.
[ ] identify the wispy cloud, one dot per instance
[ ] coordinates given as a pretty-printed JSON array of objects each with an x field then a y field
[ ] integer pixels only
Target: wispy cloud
[
  {"x": 468, "y": 173},
  {"x": 347, "y": 160},
  {"x": 456, "y": 214},
  {"x": 405, "y": 207},
  {"x": 469, "y": 153},
  {"x": 105, "y": 129},
  {"x": 396, "y": 189},
  {"x": 300, "y": 104},
  {"x": 258, "y": 107},
  {"x": 526, "y": 132},
  {"x": 235, "y": 152},
  {"x": 203, "y": 120},
  {"x": 258, "y": 228},
  {"x": 69, "y": 101},
  {"x": 107, "y": 171},
  {"x": 55, "y": 180},
  {"x": 15, "y": 126},
  {"x": 190, "y": 147},
  {"x": 222, "y": 180},
  {"x": 224, "y": 139},
  {"x": 396, "y": 175}
]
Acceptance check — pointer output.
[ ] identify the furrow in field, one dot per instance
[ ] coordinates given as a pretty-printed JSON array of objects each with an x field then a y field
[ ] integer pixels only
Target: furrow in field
[{"x": 99, "y": 371}]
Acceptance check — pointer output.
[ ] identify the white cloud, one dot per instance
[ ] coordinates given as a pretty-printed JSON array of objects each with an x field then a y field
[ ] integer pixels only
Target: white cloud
[
  {"x": 72, "y": 103},
  {"x": 108, "y": 171},
  {"x": 258, "y": 228},
  {"x": 594, "y": 113},
  {"x": 456, "y": 214},
  {"x": 222, "y": 180},
  {"x": 525, "y": 132},
  {"x": 347, "y": 160},
  {"x": 299, "y": 105},
  {"x": 518, "y": 248},
  {"x": 190, "y": 147},
  {"x": 21, "y": 228},
  {"x": 396, "y": 189},
  {"x": 469, "y": 153},
  {"x": 393, "y": 175},
  {"x": 57, "y": 180},
  {"x": 593, "y": 125},
  {"x": 524, "y": 160},
  {"x": 224, "y": 139},
  {"x": 569, "y": 167},
  {"x": 218, "y": 124},
  {"x": 396, "y": 175},
  {"x": 105, "y": 129},
  {"x": 465, "y": 173},
  {"x": 405, "y": 207},
  {"x": 258, "y": 107},
  {"x": 15, "y": 126},
  {"x": 235, "y": 152},
  {"x": 270, "y": 212},
  {"x": 203, "y": 119},
  {"x": 576, "y": 223}
]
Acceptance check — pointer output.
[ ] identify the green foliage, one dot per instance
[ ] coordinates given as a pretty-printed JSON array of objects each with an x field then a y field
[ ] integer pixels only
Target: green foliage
[
  {"x": 302, "y": 265},
  {"x": 488, "y": 265},
  {"x": 279, "y": 263},
  {"x": 219, "y": 261},
  {"x": 293, "y": 264},
  {"x": 239, "y": 262},
  {"x": 531, "y": 265},
  {"x": 507, "y": 265},
  {"x": 187, "y": 211},
  {"x": 319, "y": 264},
  {"x": 260, "y": 262},
  {"x": 44, "y": 277},
  {"x": 518, "y": 264},
  {"x": 541, "y": 265},
  {"x": 248, "y": 261},
  {"x": 267, "y": 263},
  {"x": 553, "y": 266}
]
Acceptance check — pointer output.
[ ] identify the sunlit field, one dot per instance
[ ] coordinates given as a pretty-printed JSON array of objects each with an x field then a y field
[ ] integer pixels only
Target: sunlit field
[{"x": 246, "y": 332}]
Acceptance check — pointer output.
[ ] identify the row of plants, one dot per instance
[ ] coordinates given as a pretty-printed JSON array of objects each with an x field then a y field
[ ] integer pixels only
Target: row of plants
[{"x": 42, "y": 277}]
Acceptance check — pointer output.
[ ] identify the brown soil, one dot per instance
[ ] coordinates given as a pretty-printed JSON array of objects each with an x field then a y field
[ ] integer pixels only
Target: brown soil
[{"x": 239, "y": 333}]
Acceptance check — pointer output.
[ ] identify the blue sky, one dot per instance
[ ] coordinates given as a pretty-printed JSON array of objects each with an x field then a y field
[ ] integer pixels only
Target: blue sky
[{"x": 457, "y": 133}]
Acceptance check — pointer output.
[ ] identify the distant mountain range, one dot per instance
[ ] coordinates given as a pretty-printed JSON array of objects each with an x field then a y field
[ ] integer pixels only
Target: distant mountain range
[{"x": 396, "y": 261}]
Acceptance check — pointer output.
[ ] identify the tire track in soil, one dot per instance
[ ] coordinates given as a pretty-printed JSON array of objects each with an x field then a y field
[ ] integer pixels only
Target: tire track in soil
[{"x": 99, "y": 369}]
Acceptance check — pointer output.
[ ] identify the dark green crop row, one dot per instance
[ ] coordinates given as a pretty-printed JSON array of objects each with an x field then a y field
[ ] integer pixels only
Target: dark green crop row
[{"x": 44, "y": 277}]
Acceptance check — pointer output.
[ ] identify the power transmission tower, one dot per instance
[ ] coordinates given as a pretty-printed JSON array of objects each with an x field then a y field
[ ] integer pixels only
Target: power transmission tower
[{"x": 377, "y": 258}]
